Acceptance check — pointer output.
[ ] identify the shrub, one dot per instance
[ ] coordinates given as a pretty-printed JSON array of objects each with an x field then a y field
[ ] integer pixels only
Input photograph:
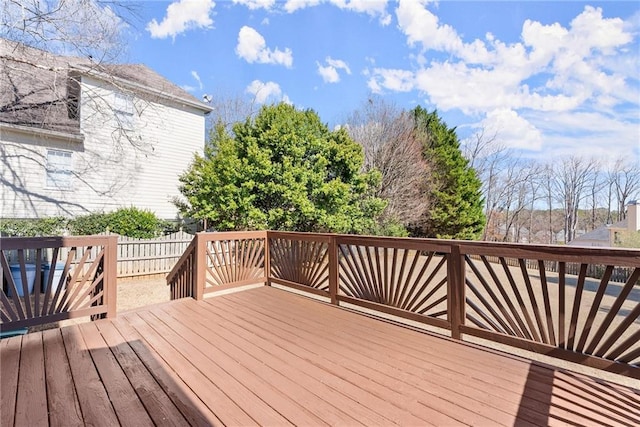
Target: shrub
[
  {"x": 53, "y": 226},
  {"x": 132, "y": 222},
  {"x": 94, "y": 223}
]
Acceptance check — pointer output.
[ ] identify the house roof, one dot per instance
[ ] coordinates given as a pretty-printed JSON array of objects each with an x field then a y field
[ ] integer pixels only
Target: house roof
[
  {"x": 38, "y": 86},
  {"x": 600, "y": 234}
]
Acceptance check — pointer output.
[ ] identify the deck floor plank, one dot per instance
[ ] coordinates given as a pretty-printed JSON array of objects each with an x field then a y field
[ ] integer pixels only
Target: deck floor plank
[
  {"x": 64, "y": 407},
  {"x": 216, "y": 400},
  {"x": 383, "y": 400},
  {"x": 539, "y": 381},
  {"x": 266, "y": 356},
  {"x": 183, "y": 397},
  {"x": 159, "y": 406},
  {"x": 271, "y": 390},
  {"x": 10, "y": 364},
  {"x": 129, "y": 409},
  {"x": 299, "y": 379},
  {"x": 31, "y": 404},
  {"x": 191, "y": 346},
  {"x": 92, "y": 396},
  {"x": 565, "y": 403},
  {"x": 379, "y": 371}
]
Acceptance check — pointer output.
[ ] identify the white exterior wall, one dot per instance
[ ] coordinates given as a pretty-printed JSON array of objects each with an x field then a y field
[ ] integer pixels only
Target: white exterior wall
[
  {"x": 112, "y": 168},
  {"x": 23, "y": 159}
]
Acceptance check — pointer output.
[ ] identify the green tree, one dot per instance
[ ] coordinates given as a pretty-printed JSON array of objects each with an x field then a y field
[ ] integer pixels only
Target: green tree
[
  {"x": 455, "y": 209},
  {"x": 282, "y": 170}
]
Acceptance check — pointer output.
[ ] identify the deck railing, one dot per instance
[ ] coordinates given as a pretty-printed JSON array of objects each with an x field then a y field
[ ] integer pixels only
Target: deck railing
[
  {"x": 67, "y": 277},
  {"x": 504, "y": 293}
]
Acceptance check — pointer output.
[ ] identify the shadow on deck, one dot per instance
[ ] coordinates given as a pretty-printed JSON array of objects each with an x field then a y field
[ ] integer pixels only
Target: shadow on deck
[{"x": 267, "y": 356}]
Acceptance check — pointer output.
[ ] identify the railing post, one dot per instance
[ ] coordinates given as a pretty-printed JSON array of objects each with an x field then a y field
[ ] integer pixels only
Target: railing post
[
  {"x": 110, "y": 269},
  {"x": 200, "y": 266},
  {"x": 456, "y": 291},
  {"x": 333, "y": 270},
  {"x": 267, "y": 259}
]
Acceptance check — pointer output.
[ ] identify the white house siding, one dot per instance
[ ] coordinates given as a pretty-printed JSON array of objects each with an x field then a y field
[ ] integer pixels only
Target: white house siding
[
  {"x": 23, "y": 158},
  {"x": 112, "y": 169}
]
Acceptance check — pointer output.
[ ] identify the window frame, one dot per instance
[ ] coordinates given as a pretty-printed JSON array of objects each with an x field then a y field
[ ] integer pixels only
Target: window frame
[
  {"x": 124, "y": 110},
  {"x": 59, "y": 169}
]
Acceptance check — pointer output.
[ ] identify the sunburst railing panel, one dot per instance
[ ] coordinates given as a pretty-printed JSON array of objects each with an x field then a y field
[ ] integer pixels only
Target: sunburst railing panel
[
  {"x": 50, "y": 279},
  {"x": 231, "y": 262},
  {"x": 403, "y": 277},
  {"x": 299, "y": 261},
  {"x": 557, "y": 303}
]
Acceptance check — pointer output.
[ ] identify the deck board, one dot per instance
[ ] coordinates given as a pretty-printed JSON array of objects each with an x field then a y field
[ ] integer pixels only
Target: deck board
[
  {"x": 64, "y": 408},
  {"x": 10, "y": 363},
  {"x": 31, "y": 401},
  {"x": 269, "y": 357}
]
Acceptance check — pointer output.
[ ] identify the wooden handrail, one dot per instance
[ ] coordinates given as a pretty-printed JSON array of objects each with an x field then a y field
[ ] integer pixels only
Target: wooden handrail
[
  {"x": 515, "y": 294},
  {"x": 55, "y": 278}
]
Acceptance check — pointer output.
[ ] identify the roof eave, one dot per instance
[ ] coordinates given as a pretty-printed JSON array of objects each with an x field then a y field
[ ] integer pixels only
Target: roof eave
[
  {"x": 132, "y": 85},
  {"x": 37, "y": 131}
]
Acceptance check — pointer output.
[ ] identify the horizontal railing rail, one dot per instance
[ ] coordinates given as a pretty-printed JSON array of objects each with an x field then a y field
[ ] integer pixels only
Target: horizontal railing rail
[
  {"x": 517, "y": 295},
  {"x": 68, "y": 277}
]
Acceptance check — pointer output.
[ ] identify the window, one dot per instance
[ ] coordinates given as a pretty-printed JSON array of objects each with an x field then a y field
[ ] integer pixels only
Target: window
[
  {"x": 123, "y": 109},
  {"x": 73, "y": 94},
  {"x": 59, "y": 169}
]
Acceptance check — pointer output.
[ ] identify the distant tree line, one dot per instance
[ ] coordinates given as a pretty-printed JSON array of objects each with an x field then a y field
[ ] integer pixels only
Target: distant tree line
[{"x": 548, "y": 202}]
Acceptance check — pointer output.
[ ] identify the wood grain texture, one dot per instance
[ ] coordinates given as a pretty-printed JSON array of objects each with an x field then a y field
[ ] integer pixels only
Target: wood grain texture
[{"x": 266, "y": 356}]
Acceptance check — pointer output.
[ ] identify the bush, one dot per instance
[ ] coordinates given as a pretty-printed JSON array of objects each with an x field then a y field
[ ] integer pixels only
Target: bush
[
  {"x": 94, "y": 223},
  {"x": 53, "y": 226},
  {"x": 132, "y": 222}
]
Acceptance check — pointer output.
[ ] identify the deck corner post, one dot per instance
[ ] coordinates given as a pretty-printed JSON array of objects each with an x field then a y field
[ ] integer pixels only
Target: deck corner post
[
  {"x": 267, "y": 258},
  {"x": 111, "y": 275},
  {"x": 455, "y": 291},
  {"x": 333, "y": 270},
  {"x": 200, "y": 266}
]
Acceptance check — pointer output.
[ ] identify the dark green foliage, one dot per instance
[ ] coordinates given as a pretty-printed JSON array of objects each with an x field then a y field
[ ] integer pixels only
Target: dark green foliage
[
  {"x": 53, "y": 226},
  {"x": 132, "y": 222},
  {"x": 283, "y": 170},
  {"x": 94, "y": 223},
  {"x": 456, "y": 206}
]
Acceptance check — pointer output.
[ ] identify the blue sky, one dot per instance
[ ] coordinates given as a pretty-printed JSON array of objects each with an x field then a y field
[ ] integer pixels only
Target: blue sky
[{"x": 548, "y": 78}]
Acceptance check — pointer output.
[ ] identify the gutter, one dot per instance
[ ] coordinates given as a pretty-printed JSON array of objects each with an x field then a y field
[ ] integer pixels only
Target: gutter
[{"x": 29, "y": 130}]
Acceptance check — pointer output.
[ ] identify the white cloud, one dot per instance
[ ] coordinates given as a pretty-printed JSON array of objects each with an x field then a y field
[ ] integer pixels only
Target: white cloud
[
  {"x": 196, "y": 76},
  {"x": 373, "y": 8},
  {"x": 188, "y": 88},
  {"x": 252, "y": 47},
  {"x": 181, "y": 16},
  {"x": 269, "y": 91},
  {"x": 292, "y": 5},
  {"x": 329, "y": 72},
  {"x": 513, "y": 130},
  {"x": 553, "y": 69},
  {"x": 587, "y": 65},
  {"x": 256, "y": 4},
  {"x": 391, "y": 79},
  {"x": 422, "y": 26}
]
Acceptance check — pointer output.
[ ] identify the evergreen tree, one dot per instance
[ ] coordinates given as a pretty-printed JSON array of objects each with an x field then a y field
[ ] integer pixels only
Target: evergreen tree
[
  {"x": 454, "y": 187},
  {"x": 283, "y": 170}
]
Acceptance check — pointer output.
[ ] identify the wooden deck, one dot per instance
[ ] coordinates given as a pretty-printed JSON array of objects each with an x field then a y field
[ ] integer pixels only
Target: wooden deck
[{"x": 269, "y": 357}]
